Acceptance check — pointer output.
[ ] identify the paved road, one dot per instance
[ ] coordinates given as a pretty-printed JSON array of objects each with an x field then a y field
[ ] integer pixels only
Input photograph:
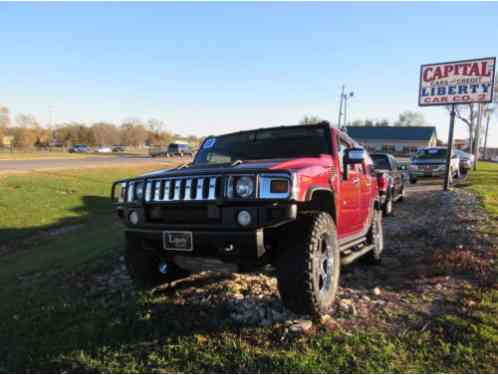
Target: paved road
[{"x": 19, "y": 166}]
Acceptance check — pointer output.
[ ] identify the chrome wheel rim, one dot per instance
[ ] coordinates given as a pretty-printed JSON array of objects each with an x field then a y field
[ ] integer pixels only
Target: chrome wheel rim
[
  {"x": 325, "y": 264},
  {"x": 378, "y": 236}
]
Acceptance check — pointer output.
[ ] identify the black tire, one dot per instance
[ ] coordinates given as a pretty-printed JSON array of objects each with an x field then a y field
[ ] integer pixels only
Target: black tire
[
  {"x": 308, "y": 267},
  {"x": 387, "y": 207},
  {"x": 402, "y": 194},
  {"x": 143, "y": 267},
  {"x": 375, "y": 237},
  {"x": 413, "y": 180}
]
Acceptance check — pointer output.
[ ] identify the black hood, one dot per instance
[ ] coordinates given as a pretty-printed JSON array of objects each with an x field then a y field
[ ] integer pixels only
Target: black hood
[{"x": 226, "y": 168}]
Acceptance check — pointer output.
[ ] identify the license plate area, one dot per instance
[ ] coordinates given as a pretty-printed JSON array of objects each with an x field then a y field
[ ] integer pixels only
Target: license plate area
[{"x": 178, "y": 240}]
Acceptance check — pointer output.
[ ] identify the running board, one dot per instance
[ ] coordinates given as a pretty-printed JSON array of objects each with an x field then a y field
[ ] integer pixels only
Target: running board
[
  {"x": 350, "y": 244},
  {"x": 351, "y": 257}
]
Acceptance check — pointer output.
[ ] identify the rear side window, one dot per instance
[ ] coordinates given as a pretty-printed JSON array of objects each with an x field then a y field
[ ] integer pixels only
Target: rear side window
[{"x": 381, "y": 162}]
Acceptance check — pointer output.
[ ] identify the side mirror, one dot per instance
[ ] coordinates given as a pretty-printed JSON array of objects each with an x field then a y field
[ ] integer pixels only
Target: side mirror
[{"x": 353, "y": 156}]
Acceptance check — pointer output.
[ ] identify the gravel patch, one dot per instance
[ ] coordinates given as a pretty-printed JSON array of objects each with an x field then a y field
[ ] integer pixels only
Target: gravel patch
[{"x": 406, "y": 287}]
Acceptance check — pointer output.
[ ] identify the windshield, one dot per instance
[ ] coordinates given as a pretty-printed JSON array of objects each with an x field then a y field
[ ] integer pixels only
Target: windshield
[
  {"x": 431, "y": 153},
  {"x": 279, "y": 143},
  {"x": 380, "y": 162}
]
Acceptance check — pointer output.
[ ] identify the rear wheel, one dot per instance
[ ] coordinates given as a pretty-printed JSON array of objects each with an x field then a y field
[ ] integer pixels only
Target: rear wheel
[
  {"x": 387, "y": 208},
  {"x": 309, "y": 267},
  {"x": 147, "y": 270},
  {"x": 402, "y": 194},
  {"x": 375, "y": 237}
]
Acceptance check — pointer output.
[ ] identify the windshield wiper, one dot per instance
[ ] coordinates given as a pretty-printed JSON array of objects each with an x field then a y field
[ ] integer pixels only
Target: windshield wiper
[
  {"x": 236, "y": 162},
  {"x": 184, "y": 165}
]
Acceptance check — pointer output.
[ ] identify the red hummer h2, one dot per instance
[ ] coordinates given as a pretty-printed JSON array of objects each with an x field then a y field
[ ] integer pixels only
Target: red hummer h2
[{"x": 302, "y": 198}]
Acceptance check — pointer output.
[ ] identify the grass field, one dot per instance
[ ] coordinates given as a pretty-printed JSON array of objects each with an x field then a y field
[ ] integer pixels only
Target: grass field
[
  {"x": 57, "y": 234},
  {"x": 46, "y": 155}
]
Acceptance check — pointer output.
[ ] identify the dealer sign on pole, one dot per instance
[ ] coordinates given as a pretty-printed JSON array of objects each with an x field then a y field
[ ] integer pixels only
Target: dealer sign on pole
[{"x": 457, "y": 82}]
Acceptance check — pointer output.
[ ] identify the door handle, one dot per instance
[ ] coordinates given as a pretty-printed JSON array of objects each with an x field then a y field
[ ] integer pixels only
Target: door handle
[{"x": 356, "y": 180}]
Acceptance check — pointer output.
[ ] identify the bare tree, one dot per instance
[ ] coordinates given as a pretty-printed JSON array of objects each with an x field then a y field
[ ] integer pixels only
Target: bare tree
[
  {"x": 105, "y": 133},
  {"x": 4, "y": 117},
  {"x": 310, "y": 120},
  {"x": 27, "y": 121},
  {"x": 467, "y": 114},
  {"x": 409, "y": 118}
]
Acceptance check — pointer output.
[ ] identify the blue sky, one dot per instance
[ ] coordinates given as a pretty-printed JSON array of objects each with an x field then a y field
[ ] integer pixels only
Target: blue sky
[{"x": 208, "y": 68}]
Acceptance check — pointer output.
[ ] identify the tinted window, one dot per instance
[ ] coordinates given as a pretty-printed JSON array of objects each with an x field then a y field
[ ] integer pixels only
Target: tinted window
[
  {"x": 280, "y": 143},
  {"x": 432, "y": 153},
  {"x": 381, "y": 162}
]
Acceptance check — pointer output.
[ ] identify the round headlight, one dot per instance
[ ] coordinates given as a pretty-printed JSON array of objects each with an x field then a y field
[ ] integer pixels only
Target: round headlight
[
  {"x": 244, "y": 218},
  {"x": 244, "y": 187},
  {"x": 139, "y": 190},
  {"x": 133, "y": 217}
]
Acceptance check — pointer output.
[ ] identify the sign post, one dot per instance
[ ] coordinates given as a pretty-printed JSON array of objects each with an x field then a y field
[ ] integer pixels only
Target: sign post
[
  {"x": 453, "y": 83},
  {"x": 447, "y": 175}
]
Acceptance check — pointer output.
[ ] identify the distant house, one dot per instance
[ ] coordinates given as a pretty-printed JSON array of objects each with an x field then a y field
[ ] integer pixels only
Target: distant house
[
  {"x": 398, "y": 140},
  {"x": 6, "y": 141}
]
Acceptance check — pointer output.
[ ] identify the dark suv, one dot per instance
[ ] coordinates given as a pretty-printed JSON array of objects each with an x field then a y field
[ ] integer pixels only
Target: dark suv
[
  {"x": 179, "y": 149},
  {"x": 301, "y": 198},
  {"x": 391, "y": 180}
]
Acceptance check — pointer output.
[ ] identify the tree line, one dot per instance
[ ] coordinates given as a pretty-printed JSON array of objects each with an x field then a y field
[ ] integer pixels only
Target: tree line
[
  {"x": 406, "y": 118},
  {"x": 26, "y": 132}
]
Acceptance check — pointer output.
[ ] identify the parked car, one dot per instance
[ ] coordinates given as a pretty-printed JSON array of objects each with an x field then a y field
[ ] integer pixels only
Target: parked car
[
  {"x": 431, "y": 162},
  {"x": 103, "y": 149},
  {"x": 158, "y": 151},
  {"x": 79, "y": 148},
  {"x": 118, "y": 148},
  {"x": 303, "y": 198},
  {"x": 466, "y": 161},
  {"x": 391, "y": 180},
  {"x": 179, "y": 149}
]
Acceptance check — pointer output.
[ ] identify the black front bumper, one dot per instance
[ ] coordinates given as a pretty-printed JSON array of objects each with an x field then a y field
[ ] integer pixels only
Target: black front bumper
[
  {"x": 233, "y": 246},
  {"x": 225, "y": 239}
]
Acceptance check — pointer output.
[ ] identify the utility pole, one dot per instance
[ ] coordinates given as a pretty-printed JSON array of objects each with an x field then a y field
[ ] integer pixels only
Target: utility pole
[
  {"x": 340, "y": 107},
  {"x": 343, "y": 107}
]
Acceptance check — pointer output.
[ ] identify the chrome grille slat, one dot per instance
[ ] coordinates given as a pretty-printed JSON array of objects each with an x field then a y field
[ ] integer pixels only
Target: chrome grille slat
[
  {"x": 157, "y": 190},
  {"x": 166, "y": 190},
  {"x": 178, "y": 189},
  {"x": 212, "y": 188},
  {"x": 188, "y": 188},
  {"x": 200, "y": 189},
  {"x": 148, "y": 191}
]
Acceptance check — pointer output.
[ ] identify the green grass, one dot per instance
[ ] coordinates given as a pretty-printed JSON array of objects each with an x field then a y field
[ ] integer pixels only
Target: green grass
[
  {"x": 40, "y": 155},
  {"x": 484, "y": 182},
  {"x": 51, "y": 319}
]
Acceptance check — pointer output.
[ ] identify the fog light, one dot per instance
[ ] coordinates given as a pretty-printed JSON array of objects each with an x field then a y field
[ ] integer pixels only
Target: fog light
[
  {"x": 244, "y": 218},
  {"x": 133, "y": 217}
]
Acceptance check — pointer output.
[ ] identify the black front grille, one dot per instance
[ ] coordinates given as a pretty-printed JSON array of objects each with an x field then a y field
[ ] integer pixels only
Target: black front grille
[{"x": 182, "y": 215}]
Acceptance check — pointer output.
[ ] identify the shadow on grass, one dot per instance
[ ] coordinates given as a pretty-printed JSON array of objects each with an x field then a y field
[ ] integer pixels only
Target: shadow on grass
[{"x": 91, "y": 208}]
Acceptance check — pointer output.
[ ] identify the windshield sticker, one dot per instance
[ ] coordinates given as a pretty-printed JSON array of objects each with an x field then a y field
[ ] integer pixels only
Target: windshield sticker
[{"x": 209, "y": 143}]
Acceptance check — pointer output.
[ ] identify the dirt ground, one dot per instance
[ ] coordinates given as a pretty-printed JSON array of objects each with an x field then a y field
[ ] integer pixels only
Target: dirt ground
[{"x": 407, "y": 288}]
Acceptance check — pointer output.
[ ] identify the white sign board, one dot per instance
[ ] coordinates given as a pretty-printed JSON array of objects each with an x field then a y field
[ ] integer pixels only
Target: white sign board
[{"x": 457, "y": 82}]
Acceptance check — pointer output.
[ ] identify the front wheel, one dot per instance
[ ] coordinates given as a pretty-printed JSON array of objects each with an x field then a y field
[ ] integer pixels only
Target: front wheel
[{"x": 308, "y": 268}]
